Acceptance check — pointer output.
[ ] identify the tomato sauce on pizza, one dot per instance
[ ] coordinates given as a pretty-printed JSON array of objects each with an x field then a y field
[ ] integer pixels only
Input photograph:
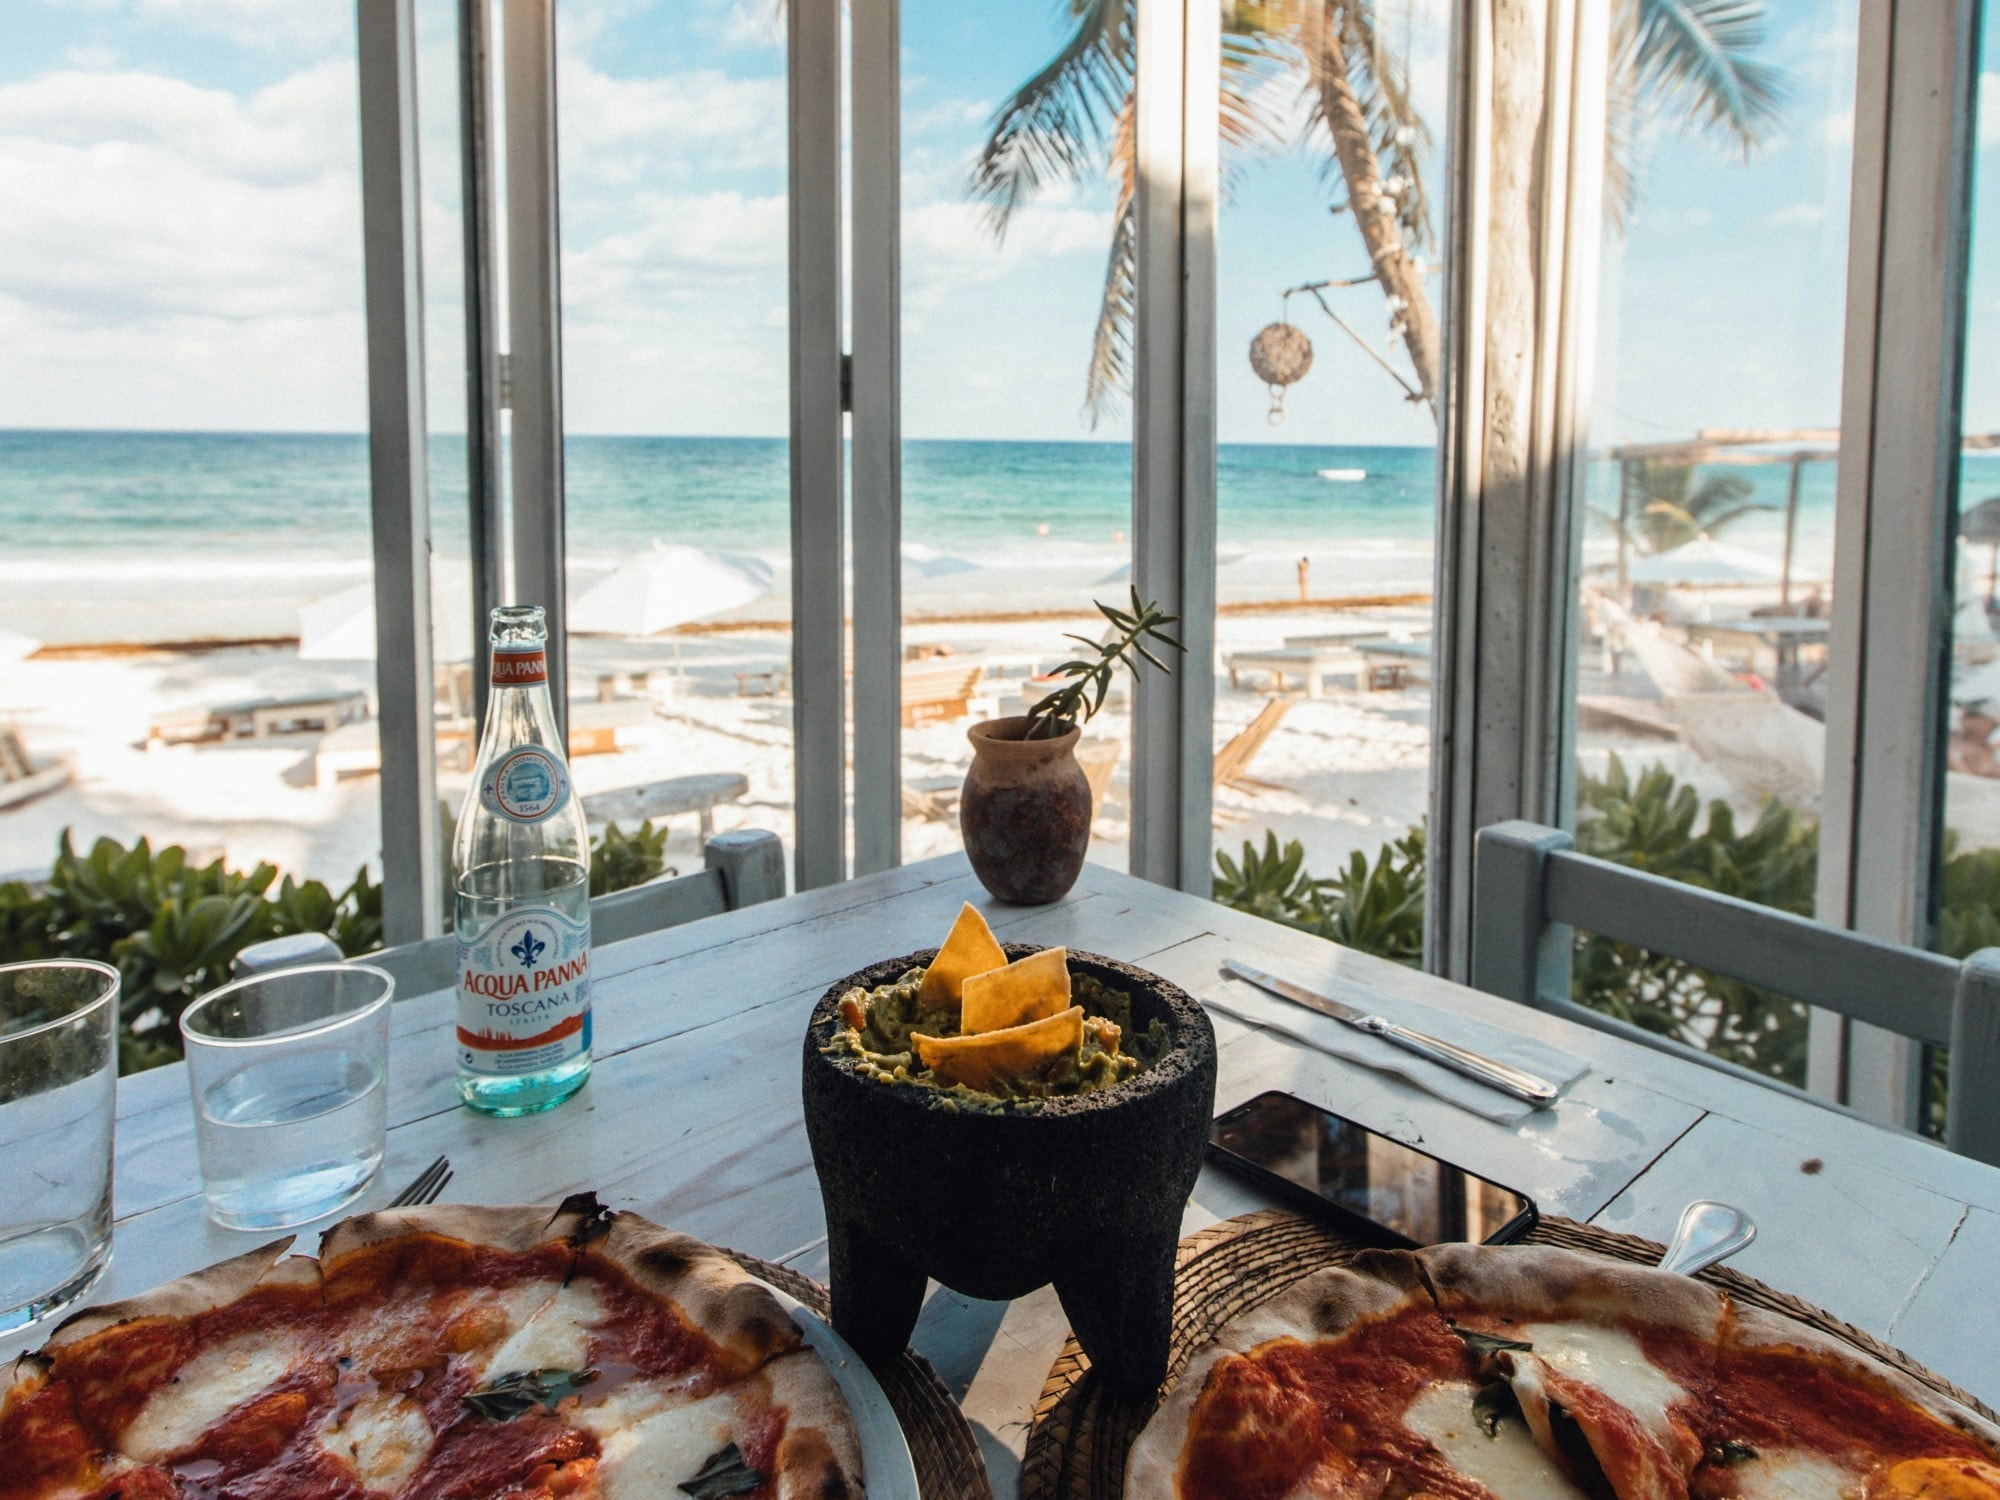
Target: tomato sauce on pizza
[{"x": 434, "y": 1354}]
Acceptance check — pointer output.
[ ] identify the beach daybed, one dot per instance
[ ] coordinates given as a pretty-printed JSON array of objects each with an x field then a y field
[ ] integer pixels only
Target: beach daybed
[
  {"x": 1394, "y": 664},
  {"x": 259, "y": 719},
  {"x": 1307, "y": 665},
  {"x": 774, "y": 680},
  {"x": 655, "y": 801}
]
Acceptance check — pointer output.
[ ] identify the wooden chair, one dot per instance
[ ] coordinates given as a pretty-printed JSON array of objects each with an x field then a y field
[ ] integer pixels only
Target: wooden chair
[
  {"x": 1530, "y": 887},
  {"x": 740, "y": 869},
  {"x": 1232, "y": 761},
  {"x": 1099, "y": 759}
]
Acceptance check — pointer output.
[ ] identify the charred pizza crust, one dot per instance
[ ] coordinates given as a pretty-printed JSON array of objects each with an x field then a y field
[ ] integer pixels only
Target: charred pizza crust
[
  {"x": 757, "y": 1379},
  {"x": 1564, "y": 1332}
]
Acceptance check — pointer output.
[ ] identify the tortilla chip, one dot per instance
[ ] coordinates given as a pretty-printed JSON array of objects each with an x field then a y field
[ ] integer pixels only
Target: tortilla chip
[
  {"x": 994, "y": 1059},
  {"x": 1029, "y": 989},
  {"x": 969, "y": 950}
]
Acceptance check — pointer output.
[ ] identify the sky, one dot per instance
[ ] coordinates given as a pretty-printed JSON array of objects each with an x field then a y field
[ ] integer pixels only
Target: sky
[{"x": 182, "y": 246}]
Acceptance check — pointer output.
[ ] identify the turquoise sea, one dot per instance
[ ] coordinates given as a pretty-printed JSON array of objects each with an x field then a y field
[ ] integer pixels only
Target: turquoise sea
[{"x": 110, "y": 535}]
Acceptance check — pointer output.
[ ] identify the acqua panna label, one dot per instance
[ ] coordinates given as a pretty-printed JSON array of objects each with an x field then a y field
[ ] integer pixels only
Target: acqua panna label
[{"x": 524, "y": 992}]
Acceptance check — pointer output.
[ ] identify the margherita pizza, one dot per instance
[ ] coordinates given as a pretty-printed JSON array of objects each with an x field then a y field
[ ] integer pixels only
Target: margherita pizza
[
  {"x": 1471, "y": 1373},
  {"x": 444, "y": 1353}
]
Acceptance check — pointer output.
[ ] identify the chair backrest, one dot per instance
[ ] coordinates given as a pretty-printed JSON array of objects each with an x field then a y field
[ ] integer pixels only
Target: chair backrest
[
  {"x": 741, "y": 868},
  {"x": 1530, "y": 888}
]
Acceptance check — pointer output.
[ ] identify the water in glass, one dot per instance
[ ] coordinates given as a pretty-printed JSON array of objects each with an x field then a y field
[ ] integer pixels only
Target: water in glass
[{"x": 58, "y": 1097}]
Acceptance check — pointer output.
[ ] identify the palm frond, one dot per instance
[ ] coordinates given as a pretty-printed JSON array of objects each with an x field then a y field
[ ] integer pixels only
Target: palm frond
[
  {"x": 1054, "y": 127},
  {"x": 1111, "y": 342},
  {"x": 1694, "y": 58}
]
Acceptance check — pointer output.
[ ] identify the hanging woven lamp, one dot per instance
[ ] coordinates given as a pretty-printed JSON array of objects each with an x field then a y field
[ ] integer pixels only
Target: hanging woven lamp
[{"x": 1280, "y": 354}]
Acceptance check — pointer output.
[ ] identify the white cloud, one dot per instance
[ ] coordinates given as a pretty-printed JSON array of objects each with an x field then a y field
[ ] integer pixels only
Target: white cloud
[
  {"x": 180, "y": 255},
  {"x": 663, "y": 129},
  {"x": 270, "y": 25},
  {"x": 1797, "y": 213}
]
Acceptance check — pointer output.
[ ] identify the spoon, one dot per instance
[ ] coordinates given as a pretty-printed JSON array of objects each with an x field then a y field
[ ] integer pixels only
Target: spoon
[{"x": 1708, "y": 1232}]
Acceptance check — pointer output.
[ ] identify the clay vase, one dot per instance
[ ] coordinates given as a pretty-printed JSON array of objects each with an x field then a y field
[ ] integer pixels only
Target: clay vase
[{"x": 1025, "y": 812}]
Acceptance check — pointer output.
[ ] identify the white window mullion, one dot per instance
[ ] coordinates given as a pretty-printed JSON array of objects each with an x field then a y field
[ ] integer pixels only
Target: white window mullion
[{"x": 399, "y": 506}]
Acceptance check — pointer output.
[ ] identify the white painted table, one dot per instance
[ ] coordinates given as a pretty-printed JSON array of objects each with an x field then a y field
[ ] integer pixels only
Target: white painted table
[{"x": 692, "y": 1117}]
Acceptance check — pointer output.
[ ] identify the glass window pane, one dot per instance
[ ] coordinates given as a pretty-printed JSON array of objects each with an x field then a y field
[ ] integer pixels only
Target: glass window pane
[
  {"x": 1327, "y": 469},
  {"x": 1017, "y": 465},
  {"x": 1707, "y": 524},
  {"x": 675, "y": 392},
  {"x": 184, "y": 481},
  {"x": 1966, "y": 894}
]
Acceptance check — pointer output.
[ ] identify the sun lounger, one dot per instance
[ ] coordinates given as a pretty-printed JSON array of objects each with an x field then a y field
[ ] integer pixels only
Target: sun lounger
[
  {"x": 658, "y": 800},
  {"x": 1309, "y": 666},
  {"x": 1232, "y": 761},
  {"x": 1099, "y": 758},
  {"x": 24, "y": 777},
  {"x": 941, "y": 688},
  {"x": 595, "y": 727}
]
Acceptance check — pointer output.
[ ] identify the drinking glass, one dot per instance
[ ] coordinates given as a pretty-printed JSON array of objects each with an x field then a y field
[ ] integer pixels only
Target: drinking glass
[
  {"x": 58, "y": 1097},
  {"x": 289, "y": 1072}
]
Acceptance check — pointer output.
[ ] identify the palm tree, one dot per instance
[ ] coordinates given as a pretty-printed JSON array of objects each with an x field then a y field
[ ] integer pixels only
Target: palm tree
[
  {"x": 1669, "y": 509},
  {"x": 1073, "y": 119}
]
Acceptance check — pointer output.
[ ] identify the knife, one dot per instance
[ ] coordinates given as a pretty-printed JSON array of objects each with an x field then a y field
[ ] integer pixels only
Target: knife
[{"x": 1509, "y": 1080}]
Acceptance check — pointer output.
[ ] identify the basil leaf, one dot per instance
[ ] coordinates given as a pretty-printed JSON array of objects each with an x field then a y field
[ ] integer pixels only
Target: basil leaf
[
  {"x": 724, "y": 1474},
  {"x": 1734, "y": 1453},
  {"x": 1494, "y": 1402},
  {"x": 1486, "y": 1343},
  {"x": 504, "y": 1399}
]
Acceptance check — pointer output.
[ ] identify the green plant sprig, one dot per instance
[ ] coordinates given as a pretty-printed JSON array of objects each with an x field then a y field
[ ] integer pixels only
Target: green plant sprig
[{"x": 1077, "y": 701}]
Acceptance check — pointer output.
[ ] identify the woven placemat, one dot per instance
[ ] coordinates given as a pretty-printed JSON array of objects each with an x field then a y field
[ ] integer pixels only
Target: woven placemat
[
  {"x": 1080, "y": 1434},
  {"x": 946, "y": 1454}
]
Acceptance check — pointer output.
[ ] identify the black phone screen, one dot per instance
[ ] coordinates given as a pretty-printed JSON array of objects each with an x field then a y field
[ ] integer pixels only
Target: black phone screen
[{"x": 1411, "y": 1194}]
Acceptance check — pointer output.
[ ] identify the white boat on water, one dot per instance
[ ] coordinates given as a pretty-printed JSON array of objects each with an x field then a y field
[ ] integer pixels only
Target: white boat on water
[{"x": 1344, "y": 476}]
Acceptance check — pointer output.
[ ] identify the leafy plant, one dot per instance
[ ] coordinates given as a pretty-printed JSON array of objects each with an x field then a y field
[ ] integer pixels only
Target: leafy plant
[
  {"x": 1376, "y": 907},
  {"x": 173, "y": 929},
  {"x": 619, "y": 861},
  {"x": 1078, "y": 700}
]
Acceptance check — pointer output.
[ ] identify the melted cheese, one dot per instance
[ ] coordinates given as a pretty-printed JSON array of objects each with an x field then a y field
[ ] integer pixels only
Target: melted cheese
[
  {"x": 556, "y": 1337},
  {"x": 208, "y": 1388},
  {"x": 1794, "y": 1475},
  {"x": 652, "y": 1456},
  {"x": 1508, "y": 1463},
  {"x": 388, "y": 1438},
  {"x": 1611, "y": 1360}
]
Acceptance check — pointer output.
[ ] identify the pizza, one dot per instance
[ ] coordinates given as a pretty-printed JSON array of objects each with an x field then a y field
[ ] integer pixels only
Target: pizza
[
  {"x": 442, "y": 1353},
  {"x": 1531, "y": 1373}
]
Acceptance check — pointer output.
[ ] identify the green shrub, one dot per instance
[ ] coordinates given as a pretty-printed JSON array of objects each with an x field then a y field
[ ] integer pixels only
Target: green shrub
[
  {"x": 1377, "y": 908},
  {"x": 173, "y": 929}
]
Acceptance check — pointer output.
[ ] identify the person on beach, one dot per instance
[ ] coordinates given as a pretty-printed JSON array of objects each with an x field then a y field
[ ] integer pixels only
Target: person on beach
[{"x": 1305, "y": 566}]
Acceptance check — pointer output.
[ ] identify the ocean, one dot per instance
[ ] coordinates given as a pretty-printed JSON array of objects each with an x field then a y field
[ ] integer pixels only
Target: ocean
[{"x": 157, "y": 536}]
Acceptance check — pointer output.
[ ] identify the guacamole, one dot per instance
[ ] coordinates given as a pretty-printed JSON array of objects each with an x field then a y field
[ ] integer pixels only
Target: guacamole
[{"x": 876, "y": 1028}]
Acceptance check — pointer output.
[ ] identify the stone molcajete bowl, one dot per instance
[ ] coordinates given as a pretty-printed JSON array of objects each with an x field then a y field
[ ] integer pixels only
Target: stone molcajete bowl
[{"x": 1085, "y": 1192}]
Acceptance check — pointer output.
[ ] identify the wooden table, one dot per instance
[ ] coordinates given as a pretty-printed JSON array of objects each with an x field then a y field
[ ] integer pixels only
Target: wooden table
[{"x": 692, "y": 1117}]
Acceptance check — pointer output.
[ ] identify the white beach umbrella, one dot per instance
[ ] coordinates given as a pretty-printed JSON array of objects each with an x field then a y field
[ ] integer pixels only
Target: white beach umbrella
[
  {"x": 341, "y": 626},
  {"x": 1705, "y": 560},
  {"x": 928, "y": 562},
  {"x": 668, "y": 585},
  {"x": 15, "y": 647}
]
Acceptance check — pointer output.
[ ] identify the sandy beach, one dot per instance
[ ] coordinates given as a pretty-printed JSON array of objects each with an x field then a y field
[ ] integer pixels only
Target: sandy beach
[{"x": 1347, "y": 771}]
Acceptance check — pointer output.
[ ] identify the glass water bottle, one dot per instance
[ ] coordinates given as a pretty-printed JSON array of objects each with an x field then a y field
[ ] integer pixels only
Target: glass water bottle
[{"x": 521, "y": 895}]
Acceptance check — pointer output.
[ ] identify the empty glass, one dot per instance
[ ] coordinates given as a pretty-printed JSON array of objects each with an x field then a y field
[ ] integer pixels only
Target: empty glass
[
  {"x": 58, "y": 1098},
  {"x": 289, "y": 1072}
]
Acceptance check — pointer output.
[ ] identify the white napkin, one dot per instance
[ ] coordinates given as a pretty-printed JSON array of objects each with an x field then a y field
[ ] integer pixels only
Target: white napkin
[{"x": 1246, "y": 1002}]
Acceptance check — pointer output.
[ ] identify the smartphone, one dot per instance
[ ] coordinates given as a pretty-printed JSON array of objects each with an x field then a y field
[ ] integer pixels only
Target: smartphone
[{"x": 1380, "y": 1190}]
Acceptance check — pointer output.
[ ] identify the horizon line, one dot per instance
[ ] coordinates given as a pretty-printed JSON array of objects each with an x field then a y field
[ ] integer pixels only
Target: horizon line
[{"x": 700, "y": 437}]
